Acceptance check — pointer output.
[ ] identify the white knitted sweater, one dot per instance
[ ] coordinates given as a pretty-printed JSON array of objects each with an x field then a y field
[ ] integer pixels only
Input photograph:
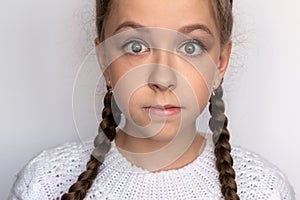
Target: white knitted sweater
[{"x": 50, "y": 174}]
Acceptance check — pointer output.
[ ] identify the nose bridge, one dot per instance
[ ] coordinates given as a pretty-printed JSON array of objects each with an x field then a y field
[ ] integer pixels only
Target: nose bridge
[
  {"x": 163, "y": 75},
  {"x": 162, "y": 56}
]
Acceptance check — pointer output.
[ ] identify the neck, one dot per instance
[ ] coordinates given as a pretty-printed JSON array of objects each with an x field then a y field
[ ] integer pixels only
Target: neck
[{"x": 156, "y": 155}]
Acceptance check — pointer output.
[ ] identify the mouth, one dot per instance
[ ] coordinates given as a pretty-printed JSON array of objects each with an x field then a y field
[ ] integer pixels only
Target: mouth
[{"x": 163, "y": 111}]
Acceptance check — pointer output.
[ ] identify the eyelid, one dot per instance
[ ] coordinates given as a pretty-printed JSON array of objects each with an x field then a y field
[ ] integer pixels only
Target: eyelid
[
  {"x": 135, "y": 40},
  {"x": 194, "y": 41},
  {"x": 142, "y": 42}
]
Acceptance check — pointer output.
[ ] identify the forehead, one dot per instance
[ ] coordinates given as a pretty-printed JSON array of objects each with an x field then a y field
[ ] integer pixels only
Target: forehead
[{"x": 171, "y": 14}]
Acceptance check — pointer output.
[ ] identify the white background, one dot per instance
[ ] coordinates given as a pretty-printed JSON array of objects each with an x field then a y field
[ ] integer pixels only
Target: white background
[{"x": 42, "y": 44}]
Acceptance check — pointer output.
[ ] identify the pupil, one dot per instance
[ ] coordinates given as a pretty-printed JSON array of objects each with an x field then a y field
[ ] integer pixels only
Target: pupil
[
  {"x": 189, "y": 48},
  {"x": 136, "y": 47}
]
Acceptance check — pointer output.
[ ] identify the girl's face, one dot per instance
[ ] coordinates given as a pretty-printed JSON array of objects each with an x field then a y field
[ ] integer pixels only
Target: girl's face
[{"x": 163, "y": 59}]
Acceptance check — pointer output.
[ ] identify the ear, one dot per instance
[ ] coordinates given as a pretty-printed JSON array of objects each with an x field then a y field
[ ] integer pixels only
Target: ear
[
  {"x": 223, "y": 62},
  {"x": 101, "y": 57}
]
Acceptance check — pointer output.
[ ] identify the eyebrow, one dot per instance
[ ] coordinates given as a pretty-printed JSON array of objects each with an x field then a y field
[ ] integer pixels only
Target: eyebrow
[{"x": 185, "y": 29}]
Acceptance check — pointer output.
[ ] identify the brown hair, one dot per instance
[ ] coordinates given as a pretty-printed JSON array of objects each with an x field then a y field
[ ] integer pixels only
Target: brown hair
[{"x": 222, "y": 10}]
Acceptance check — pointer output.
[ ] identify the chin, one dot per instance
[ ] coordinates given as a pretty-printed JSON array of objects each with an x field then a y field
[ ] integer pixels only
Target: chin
[{"x": 166, "y": 138}]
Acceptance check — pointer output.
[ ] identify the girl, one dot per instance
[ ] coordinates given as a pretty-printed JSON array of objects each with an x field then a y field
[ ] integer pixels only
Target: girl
[{"x": 163, "y": 61}]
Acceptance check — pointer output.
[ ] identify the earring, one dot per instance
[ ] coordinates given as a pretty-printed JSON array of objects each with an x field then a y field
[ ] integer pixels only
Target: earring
[
  {"x": 214, "y": 91},
  {"x": 97, "y": 41},
  {"x": 215, "y": 88},
  {"x": 109, "y": 88}
]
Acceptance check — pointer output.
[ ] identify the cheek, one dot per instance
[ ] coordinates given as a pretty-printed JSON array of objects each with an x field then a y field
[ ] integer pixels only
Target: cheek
[
  {"x": 129, "y": 91},
  {"x": 198, "y": 78},
  {"x": 135, "y": 107},
  {"x": 202, "y": 94},
  {"x": 124, "y": 69},
  {"x": 198, "y": 95},
  {"x": 117, "y": 69}
]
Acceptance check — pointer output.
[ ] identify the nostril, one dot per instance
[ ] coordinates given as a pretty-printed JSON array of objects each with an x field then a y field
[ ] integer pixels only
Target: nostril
[
  {"x": 162, "y": 78},
  {"x": 171, "y": 87},
  {"x": 162, "y": 87},
  {"x": 155, "y": 86}
]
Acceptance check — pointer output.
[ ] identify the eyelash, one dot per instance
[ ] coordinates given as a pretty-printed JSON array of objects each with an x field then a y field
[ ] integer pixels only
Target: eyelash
[
  {"x": 200, "y": 45},
  {"x": 131, "y": 42}
]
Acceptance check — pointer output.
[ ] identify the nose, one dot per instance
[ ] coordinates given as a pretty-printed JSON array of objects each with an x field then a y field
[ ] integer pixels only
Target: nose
[{"x": 162, "y": 76}]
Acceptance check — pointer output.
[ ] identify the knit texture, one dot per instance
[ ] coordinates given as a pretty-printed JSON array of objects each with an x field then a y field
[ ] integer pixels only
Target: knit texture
[{"x": 52, "y": 172}]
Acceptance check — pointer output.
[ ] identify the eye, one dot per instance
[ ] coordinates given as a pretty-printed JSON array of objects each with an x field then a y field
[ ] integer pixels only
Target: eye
[
  {"x": 192, "y": 48},
  {"x": 135, "y": 47}
]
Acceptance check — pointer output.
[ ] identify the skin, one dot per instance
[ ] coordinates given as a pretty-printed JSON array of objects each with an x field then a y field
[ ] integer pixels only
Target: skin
[{"x": 164, "y": 85}]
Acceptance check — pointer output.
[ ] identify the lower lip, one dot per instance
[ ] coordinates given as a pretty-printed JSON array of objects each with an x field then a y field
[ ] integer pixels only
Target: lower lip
[{"x": 165, "y": 112}]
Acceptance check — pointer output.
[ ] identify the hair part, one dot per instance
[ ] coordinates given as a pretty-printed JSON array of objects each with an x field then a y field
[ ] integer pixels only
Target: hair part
[{"x": 222, "y": 10}]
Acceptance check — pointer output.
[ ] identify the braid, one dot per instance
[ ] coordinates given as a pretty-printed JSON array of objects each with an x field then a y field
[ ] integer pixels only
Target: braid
[
  {"x": 106, "y": 133},
  {"x": 224, "y": 162}
]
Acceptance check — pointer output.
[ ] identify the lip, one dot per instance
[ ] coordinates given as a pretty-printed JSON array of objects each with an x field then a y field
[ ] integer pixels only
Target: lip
[{"x": 163, "y": 111}]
